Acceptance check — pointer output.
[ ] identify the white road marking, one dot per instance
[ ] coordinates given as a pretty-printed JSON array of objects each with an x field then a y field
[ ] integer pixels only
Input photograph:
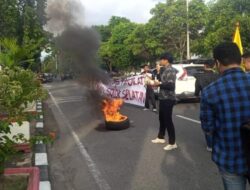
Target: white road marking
[
  {"x": 47, "y": 86},
  {"x": 189, "y": 119},
  {"x": 69, "y": 97},
  {"x": 101, "y": 182},
  {"x": 68, "y": 101}
]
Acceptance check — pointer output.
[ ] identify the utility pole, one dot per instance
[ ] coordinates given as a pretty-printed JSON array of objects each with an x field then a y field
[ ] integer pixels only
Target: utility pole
[{"x": 188, "y": 39}]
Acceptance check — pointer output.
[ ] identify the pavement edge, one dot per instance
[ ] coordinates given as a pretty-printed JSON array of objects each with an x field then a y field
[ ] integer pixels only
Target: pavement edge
[{"x": 40, "y": 151}]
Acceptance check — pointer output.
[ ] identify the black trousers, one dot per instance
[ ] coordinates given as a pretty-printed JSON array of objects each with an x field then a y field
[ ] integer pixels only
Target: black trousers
[
  {"x": 166, "y": 122},
  {"x": 150, "y": 96}
]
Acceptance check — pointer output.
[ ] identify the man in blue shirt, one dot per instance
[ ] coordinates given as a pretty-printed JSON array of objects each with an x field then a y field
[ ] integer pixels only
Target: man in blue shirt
[{"x": 225, "y": 106}]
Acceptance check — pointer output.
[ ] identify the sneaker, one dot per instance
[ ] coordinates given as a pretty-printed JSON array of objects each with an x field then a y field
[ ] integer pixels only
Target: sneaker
[
  {"x": 209, "y": 149},
  {"x": 145, "y": 109},
  {"x": 158, "y": 141},
  {"x": 154, "y": 110},
  {"x": 170, "y": 147}
]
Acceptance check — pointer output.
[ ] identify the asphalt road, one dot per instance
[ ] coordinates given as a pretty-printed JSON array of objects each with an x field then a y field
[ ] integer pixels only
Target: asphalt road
[{"x": 85, "y": 156}]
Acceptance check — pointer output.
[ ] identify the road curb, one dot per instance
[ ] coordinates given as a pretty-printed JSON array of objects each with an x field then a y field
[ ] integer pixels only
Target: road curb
[{"x": 40, "y": 151}]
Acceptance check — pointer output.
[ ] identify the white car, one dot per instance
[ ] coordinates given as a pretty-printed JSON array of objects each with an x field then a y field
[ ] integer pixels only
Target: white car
[{"x": 185, "y": 79}]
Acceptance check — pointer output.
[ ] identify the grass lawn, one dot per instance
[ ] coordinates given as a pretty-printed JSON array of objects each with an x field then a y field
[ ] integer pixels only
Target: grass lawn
[{"x": 14, "y": 182}]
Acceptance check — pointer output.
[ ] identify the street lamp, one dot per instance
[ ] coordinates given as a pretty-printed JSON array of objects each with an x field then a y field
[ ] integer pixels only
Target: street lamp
[{"x": 188, "y": 39}]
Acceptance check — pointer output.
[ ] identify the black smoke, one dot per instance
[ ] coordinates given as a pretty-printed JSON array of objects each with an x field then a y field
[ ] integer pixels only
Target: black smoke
[
  {"x": 76, "y": 41},
  {"x": 73, "y": 39}
]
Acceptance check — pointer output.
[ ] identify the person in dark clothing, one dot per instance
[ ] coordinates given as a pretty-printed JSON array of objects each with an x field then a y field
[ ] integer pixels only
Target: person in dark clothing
[
  {"x": 167, "y": 101},
  {"x": 202, "y": 81},
  {"x": 150, "y": 96},
  {"x": 156, "y": 72},
  {"x": 156, "y": 77}
]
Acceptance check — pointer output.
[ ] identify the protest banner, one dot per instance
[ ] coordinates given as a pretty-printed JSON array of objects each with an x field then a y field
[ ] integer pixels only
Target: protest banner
[{"x": 131, "y": 89}]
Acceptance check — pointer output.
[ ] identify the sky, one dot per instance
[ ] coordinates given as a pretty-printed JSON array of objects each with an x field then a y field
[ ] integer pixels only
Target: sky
[{"x": 100, "y": 11}]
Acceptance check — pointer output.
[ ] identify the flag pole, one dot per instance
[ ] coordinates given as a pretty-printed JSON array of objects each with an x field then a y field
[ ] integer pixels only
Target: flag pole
[{"x": 188, "y": 39}]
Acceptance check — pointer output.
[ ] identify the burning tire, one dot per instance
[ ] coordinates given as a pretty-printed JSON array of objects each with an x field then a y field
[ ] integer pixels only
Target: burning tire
[
  {"x": 117, "y": 125},
  {"x": 113, "y": 119}
]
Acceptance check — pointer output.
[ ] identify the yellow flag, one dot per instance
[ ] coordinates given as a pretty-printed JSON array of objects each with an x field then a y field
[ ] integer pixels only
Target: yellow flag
[{"x": 237, "y": 38}]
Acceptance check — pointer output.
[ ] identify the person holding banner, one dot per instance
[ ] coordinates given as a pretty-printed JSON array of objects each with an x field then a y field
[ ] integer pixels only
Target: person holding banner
[
  {"x": 167, "y": 101},
  {"x": 150, "y": 96}
]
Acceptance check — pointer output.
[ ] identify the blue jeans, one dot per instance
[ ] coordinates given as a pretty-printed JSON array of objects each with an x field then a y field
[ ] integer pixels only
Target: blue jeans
[{"x": 233, "y": 181}]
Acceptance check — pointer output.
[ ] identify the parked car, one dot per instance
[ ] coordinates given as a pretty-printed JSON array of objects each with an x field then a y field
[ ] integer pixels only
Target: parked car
[
  {"x": 185, "y": 78},
  {"x": 46, "y": 77},
  {"x": 66, "y": 76}
]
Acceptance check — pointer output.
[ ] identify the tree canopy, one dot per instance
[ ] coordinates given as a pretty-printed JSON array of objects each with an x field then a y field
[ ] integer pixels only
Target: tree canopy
[
  {"x": 126, "y": 44},
  {"x": 23, "y": 21}
]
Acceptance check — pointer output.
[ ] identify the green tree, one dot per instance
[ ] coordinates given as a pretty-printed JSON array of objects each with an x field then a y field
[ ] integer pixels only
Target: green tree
[
  {"x": 104, "y": 31},
  {"x": 19, "y": 19},
  {"x": 114, "y": 52},
  {"x": 13, "y": 55},
  {"x": 40, "y": 9},
  {"x": 140, "y": 44},
  {"x": 49, "y": 65},
  {"x": 18, "y": 87},
  {"x": 116, "y": 20},
  {"x": 198, "y": 19},
  {"x": 209, "y": 24},
  {"x": 120, "y": 52},
  {"x": 32, "y": 30},
  {"x": 169, "y": 25},
  {"x": 8, "y": 18},
  {"x": 223, "y": 15}
]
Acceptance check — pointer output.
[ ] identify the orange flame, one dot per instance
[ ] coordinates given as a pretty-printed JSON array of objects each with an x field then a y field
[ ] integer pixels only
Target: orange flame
[{"x": 111, "y": 110}]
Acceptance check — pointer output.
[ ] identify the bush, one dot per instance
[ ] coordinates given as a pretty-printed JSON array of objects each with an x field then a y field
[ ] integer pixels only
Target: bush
[{"x": 18, "y": 87}]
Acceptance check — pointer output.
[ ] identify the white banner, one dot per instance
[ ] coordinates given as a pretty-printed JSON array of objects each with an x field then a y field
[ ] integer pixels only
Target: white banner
[{"x": 130, "y": 89}]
